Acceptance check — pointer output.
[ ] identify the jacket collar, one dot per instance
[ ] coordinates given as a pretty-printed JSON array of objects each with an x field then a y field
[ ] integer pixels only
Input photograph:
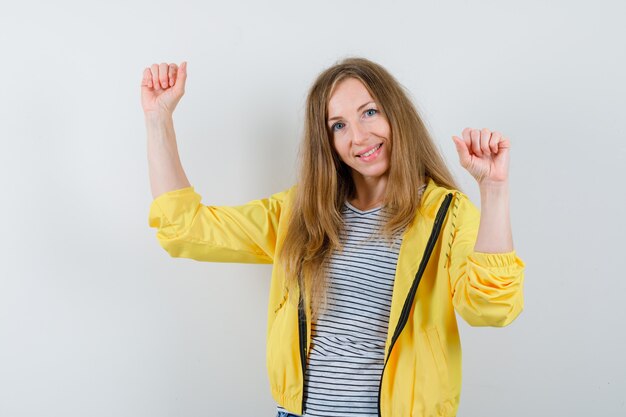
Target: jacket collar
[{"x": 432, "y": 198}]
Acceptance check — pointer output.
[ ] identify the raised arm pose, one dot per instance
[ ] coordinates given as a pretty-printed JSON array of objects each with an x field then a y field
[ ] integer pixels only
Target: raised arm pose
[{"x": 374, "y": 248}]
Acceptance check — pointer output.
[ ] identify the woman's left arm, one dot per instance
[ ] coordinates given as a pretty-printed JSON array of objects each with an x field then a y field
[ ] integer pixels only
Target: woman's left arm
[
  {"x": 494, "y": 232},
  {"x": 485, "y": 155},
  {"x": 486, "y": 276}
]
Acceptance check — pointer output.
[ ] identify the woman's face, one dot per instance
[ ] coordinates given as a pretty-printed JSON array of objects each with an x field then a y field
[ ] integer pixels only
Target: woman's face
[{"x": 360, "y": 132}]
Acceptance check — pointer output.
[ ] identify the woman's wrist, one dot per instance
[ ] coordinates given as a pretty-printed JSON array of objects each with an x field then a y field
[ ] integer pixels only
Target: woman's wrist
[{"x": 158, "y": 118}]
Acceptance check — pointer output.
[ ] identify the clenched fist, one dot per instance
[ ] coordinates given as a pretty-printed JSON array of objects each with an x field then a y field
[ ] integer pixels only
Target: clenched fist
[
  {"x": 484, "y": 154},
  {"x": 162, "y": 87}
]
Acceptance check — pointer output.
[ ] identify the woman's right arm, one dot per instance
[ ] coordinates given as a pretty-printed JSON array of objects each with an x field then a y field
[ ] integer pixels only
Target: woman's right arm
[
  {"x": 186, "y": 228},
  {"x": 162, "y": 87}
]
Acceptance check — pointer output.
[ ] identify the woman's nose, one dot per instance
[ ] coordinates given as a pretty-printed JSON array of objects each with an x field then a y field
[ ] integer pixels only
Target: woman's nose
[{"x": 359, "y": 134}]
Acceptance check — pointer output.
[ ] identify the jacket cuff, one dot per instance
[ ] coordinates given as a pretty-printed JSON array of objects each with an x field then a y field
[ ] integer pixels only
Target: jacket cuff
[
  {"x": 171, "y": 211},
  {"x": 496, "y": 260}
]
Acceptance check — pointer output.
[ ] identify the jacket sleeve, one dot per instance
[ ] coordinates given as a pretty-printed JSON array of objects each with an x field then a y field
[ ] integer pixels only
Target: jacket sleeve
[
  {"x": 188, "y": 229},
  {"x": 487, "y": 288}
]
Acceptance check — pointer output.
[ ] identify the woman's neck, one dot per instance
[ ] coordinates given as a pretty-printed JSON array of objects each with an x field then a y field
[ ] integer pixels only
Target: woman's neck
[{"x": 370, "y": 192}]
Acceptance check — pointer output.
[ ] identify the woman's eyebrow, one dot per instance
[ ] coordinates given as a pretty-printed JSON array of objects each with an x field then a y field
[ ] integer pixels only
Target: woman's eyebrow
[{"x": 360, "y": 107}]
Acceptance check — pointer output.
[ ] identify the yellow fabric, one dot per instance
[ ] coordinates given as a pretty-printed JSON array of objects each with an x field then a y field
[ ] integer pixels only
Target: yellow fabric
[{"x": 422, "y": 376}]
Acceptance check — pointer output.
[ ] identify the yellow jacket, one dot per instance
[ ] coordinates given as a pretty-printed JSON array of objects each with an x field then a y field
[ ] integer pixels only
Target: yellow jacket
[{"x": 438, "y": 272}]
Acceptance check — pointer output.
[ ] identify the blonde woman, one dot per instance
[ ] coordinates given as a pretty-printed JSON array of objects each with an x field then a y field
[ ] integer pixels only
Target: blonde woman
[{"x": 374, "y": 248}]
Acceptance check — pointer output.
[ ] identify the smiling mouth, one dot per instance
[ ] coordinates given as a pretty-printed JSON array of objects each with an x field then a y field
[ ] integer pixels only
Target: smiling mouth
[{"x": 371, "y": 151}]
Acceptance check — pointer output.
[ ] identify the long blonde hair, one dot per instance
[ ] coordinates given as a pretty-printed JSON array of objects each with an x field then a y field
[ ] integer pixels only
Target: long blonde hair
[{"x": 325, "y": 182}]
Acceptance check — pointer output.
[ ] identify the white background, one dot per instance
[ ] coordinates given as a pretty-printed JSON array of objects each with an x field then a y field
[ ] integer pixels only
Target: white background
[{"x": 97, "y": 320}]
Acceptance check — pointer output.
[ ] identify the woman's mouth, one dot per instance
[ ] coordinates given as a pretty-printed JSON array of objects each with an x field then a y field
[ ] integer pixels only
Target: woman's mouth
[{"x": 371, "y": 154}]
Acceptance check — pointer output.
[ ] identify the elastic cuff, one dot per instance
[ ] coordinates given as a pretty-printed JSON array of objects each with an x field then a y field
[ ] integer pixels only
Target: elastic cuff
[
  {"x": 173, "y": 211},
  {"x": 503, "y": 259},
  {"x": 174, "y": 193}
]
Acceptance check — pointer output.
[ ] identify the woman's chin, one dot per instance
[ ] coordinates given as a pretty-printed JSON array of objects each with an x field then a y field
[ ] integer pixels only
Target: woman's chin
[{"x": 372, "y": 173}]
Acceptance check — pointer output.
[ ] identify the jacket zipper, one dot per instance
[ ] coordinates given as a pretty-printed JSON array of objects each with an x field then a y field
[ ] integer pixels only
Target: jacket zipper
[
  {"x": 408, "y": 303},
  {"x": 303, "y": 341}
]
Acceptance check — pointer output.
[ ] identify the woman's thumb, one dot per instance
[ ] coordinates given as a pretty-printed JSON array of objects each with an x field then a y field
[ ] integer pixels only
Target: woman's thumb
[
  {"x": 462, "y": 150},
  {"x": 181, "y": 77}
]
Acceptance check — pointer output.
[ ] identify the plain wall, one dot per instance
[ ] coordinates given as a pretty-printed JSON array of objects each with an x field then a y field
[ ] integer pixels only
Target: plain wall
[{"x": 96, "y": 319}]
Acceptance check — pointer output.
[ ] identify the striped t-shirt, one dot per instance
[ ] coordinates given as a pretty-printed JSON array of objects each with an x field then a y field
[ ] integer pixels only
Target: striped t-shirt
[{"x": 347, "y": 350}]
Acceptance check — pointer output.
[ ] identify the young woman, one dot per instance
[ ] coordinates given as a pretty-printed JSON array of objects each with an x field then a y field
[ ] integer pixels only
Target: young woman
[{"x": 374, "y": 248}]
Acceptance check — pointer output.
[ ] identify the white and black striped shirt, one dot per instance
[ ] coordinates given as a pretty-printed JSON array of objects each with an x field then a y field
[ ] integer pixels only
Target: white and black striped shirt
[{"x": 346, "y": 357}]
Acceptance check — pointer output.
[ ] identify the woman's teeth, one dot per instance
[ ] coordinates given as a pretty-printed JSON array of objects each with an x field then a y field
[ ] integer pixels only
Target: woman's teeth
[{"x": 368, "y": 153}]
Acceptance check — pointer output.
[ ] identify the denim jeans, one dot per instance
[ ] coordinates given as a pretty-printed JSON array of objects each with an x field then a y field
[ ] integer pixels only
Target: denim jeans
[{"x": 285, "y": 414}]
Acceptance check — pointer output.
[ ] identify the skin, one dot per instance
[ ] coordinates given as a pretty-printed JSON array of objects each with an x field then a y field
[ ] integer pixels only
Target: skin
[
  {"x": 356, "y": 124},
  {"x": 483, "y": 153},
  {"x": 162, "y": 87}
]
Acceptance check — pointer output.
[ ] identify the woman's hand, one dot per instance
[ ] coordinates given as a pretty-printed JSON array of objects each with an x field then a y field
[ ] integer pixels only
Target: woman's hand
[
  {"x": 162, "y": 87},
  {"x": 484, "y": 154}
]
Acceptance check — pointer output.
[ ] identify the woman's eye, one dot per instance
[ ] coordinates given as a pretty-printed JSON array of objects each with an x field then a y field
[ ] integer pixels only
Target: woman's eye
[
  {"x": 371, "y": 112},
  {"x": 337, "y": 126}
]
